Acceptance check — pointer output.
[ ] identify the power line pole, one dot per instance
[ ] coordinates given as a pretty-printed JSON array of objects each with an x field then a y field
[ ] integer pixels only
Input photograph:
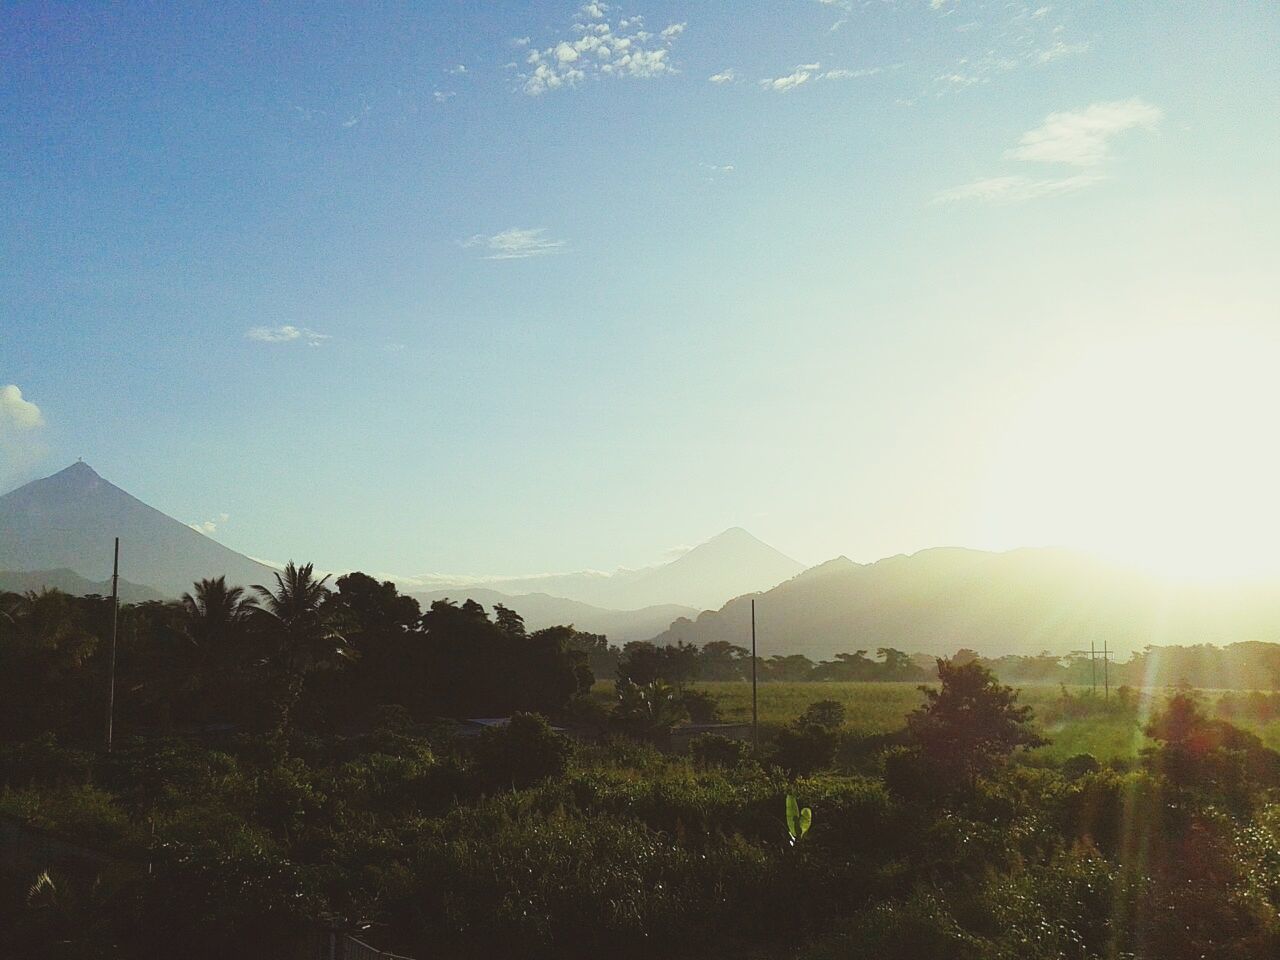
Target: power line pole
[
  {"x": 755, "y": 716},
  {"x": 1093, "y": 669},
  {"x": 1106, "y": 672},
  {"x": 115, "y": 626}
]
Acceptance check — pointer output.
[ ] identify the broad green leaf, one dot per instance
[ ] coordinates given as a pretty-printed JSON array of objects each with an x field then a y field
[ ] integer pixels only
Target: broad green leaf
[
  {"x": 793, "y": 816},
  {"x": 806, "y": 819}
]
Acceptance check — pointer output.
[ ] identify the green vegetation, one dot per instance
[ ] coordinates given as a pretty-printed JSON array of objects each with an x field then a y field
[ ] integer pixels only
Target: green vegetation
[{"x": 283, "y": 769}]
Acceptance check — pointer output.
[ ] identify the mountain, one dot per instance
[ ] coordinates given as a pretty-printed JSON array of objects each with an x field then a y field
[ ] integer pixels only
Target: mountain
[
  {"x": 68, "y": 581},
  {"x": 727, "y": 565},
  {"x": 540, "y": 610},
  {"x": 67, "y": 522},
  {"x": 1019, "y": 602}
]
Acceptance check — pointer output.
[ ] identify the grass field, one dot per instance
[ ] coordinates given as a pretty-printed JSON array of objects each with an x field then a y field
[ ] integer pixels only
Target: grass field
[{"x": 882, "y": 707}]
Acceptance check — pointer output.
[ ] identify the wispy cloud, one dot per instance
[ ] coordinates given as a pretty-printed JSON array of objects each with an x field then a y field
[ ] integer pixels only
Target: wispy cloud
[
  {"x": 841, "y": 74},
  {"x": 805, "y": 72},
  {"x": 1057, "y": 50},
  {"x": 515, "y": 243},
  {"x": 1017, "y": 188},
  {"x": 600, "y": 46},
  {"x": 801, "y": 75},
  {"x": 1083, "y": 138},
  {"x": 724, "y": 76},
  {"x": 1074, "y": 138},
  {"x": 287, "y": 334},
  {"x": 209, "y": 527}
]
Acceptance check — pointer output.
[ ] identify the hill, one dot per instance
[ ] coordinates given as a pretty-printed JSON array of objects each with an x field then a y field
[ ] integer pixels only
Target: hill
[
  {"x": 66, "y": 522},
  {"x": 68, "y": 581},
  {"x": 1019, "y": 602},
  {"x": 728, "y": 565}
]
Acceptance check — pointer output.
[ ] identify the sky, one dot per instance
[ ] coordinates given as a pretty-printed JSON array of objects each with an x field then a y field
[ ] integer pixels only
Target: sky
[{"x": 523, "y": 287}]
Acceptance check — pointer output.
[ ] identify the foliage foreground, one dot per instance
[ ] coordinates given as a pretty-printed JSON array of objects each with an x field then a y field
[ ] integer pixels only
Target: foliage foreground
[{"x": 946, "y": 831}]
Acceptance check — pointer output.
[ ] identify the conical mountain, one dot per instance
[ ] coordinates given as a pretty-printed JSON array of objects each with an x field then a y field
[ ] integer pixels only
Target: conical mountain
[
  {"x": 727, "y": 565},
  {"x": 68, "y": 521}
]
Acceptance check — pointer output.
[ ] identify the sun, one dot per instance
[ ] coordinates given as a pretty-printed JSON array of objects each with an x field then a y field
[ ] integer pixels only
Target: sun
[{"x": 1160, "y": 452}]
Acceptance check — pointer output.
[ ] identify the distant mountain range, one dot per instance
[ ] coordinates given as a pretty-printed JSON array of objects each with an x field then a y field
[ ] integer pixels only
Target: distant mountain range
[
  {"x": 728, "y": 565},
  {"x": 1022, "y": 602},
  {"x": 57, "y": 532},
  {"x": 68, "y": 521}
]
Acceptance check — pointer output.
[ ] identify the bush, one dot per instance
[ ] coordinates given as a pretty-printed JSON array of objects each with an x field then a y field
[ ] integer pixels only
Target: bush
[
  {"x": 713, "y": 750},
  {"x": 521, "y": 753},
  {"x": 824, "y": 713},
  {"x": 1073, "y": 768},
  {"x": 804, "y": 748},
  {"x": 702, "y": 707}
]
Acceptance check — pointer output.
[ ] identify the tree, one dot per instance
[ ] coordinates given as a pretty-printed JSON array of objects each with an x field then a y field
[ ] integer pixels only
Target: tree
[
  {"x": 508, "y": 621},
  {"x": 651, "y": 708},
  {"x": 301, "y": 630},
  {"x": 214, "y": 617},
  {"x": 969, "y": 725},
  {"x": 722, "y": 660}
]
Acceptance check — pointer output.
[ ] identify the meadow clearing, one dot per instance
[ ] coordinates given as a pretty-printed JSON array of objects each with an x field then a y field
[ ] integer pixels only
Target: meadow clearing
[{"x": 1106, "y": 728}]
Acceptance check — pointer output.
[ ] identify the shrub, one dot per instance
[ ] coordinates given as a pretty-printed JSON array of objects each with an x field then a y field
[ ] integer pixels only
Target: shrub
[
  {"x": 700, "y": 705},
  {"x": 523, "y": 752},
  {"x": 824, "y": 713},
  {"x": 1073, "y": 768},
  {"x": 713, "y": 750},
  {"x": 804, "y": 748}
]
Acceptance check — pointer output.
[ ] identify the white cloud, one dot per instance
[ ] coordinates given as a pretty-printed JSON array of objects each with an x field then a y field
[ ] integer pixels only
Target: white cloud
[
  {"x": 600, "y": 48},
  {"x": 443, "y": 96},
  {"x": 851, "y": 74},
  {"x": 802, "y": 74},
  {"x": 724, "y": 76},
  {"x": 1075, "y": 138},
  {"x": 209, "y": 527},
  {"x": 1082, "y": 138},
  {"x": 1016, "y": 189},
  {"x": 805, "y": 72},
  {"x": 16, "y": 413},
  {"x": 287, "y": 334},
  {"x": 21, "y": 426},
  {"x": 457, "y": 70},
  {"x": 1057, "y": 50},
  {"x": 515, "y": 243}
]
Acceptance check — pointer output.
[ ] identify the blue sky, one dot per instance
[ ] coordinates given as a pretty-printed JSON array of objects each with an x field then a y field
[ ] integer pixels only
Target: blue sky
[{"x": 514, "y": 287}]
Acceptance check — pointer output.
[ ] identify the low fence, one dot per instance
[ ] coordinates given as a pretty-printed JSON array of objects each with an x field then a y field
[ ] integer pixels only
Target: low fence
[{"x": 341, "y": 946}]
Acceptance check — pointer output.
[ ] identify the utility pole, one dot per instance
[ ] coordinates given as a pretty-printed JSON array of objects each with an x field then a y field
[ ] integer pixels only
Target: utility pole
[
  {"x": 755, "y": 716},
  {"x": 1093, "y": 669},
  {"x": 1106, "y": 672},
  {"x": 115, "y": 625}
]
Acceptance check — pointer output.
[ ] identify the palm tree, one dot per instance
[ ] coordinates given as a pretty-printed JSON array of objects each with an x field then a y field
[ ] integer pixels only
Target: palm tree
[
  {"x": 302, "y": 629},
  {"x": 215, "y": 612}
]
